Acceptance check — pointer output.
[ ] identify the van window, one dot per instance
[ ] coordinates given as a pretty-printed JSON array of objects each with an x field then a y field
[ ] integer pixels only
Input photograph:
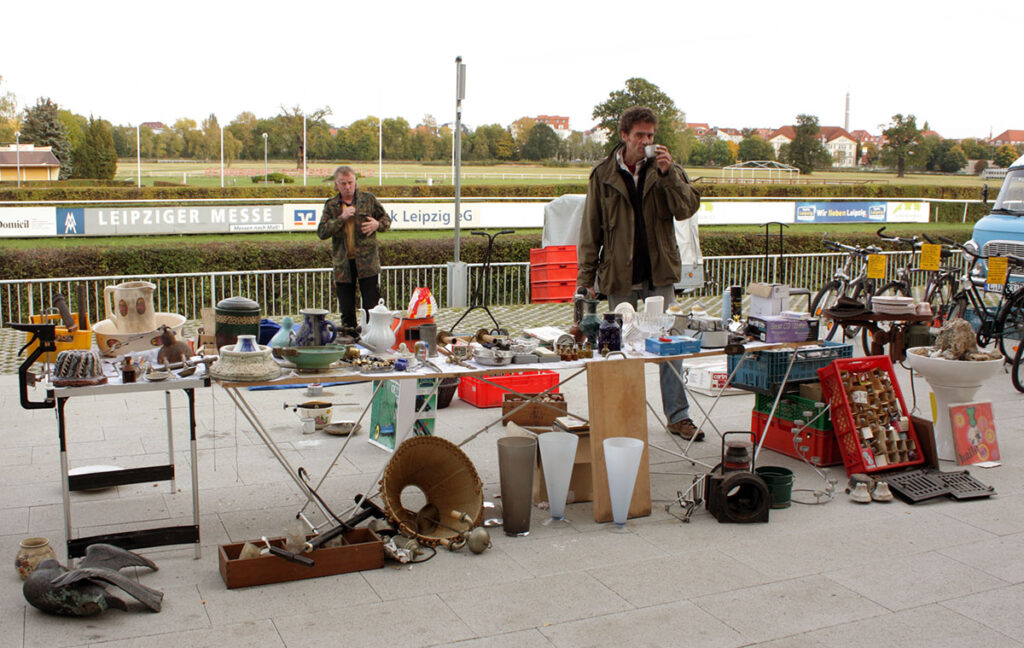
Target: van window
[{"x": 1011, "y": 196}]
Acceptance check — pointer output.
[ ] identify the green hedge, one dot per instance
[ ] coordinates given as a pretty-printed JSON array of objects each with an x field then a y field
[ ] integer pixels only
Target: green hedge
[{"x": 234, "y": 256}]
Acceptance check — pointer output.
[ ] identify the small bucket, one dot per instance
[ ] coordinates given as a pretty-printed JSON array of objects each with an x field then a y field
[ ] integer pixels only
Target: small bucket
[{"x": 780, "y": 484}]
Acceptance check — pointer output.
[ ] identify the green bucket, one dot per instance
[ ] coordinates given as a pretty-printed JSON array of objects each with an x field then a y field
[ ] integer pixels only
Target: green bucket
[{"x": 780, "y": 484}]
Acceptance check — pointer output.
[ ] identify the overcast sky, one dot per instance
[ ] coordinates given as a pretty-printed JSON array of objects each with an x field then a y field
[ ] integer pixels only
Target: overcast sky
[{"x": 737, "y": 64}]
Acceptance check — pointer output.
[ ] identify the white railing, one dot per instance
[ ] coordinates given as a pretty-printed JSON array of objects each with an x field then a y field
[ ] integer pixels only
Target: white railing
[{"x": 284, "y": 292}]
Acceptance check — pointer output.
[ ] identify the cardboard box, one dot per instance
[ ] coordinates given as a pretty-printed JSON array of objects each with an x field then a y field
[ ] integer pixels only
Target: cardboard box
[
  {"x": 708, "y": 379},
  {"x": 768, "y": 290},
  {"x": 531, "y": 414},
  {"x": 774, "y": 328},
  {"x": 761, "y": 306},
  {"x": 812, "y": 391},
  {"x": 362, "y": 549}
]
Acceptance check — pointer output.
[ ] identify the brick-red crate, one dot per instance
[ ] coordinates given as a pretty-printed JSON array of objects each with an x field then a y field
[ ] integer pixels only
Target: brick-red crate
[
  {"x": 478, "y": 393},
  {"x": 553, "y": 272},
  {"x": 819, "y": 448},
  {"x": 552, "y": 291},
  {"x": 553, "y": 254},
  {"x": 857, "y": 458}
]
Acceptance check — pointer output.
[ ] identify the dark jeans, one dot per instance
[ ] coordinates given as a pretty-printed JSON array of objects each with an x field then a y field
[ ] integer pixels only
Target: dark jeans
[{"x": 369, "y": 289}]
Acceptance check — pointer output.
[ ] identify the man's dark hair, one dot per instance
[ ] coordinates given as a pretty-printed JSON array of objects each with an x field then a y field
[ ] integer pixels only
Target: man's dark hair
[{"x": 636, "y": 115}]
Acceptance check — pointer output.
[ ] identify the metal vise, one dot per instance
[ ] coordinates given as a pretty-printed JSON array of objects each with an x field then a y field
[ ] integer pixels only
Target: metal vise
[{"x": 46, "y": 335}]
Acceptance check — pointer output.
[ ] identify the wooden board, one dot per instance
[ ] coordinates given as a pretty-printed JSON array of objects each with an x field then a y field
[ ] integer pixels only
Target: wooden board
[{"x": 618, "y": 407}]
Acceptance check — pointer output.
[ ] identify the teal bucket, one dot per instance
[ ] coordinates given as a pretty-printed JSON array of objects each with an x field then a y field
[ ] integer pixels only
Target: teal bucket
[{"x": 780, "y": 484}]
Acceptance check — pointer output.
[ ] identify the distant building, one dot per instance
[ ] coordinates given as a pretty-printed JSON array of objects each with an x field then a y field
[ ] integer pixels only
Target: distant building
[
  {"x": 1011, "y": 137},
  {"x": 156, "y": 127},
  {"x": 729, "y": 135},
  {"x": 596, "y": 134},
  {"x": 35, "y": 162},
  {"x": 841, "y": 145},
  {"x": 558, "y": 123},
  {"x": 699, "y": 128},
  {"x": 864, "y": 137}
]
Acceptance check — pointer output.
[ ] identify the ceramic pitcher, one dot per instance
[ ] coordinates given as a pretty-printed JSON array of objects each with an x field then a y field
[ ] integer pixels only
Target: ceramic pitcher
[
  {"x": 316, "y": 329},
  {"x": 130, "y": 306}
]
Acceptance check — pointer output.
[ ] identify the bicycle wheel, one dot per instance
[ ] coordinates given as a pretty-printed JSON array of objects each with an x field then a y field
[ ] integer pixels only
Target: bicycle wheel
[
  {"x": 891, "y": 289},
  {"x": 823, "y": 300},
  {"x": 862, "y": 292},
  {"x": 1010, "y": 324},
  {"x": 1017, "y": 369},
  {"x": 939, "y": 294}
]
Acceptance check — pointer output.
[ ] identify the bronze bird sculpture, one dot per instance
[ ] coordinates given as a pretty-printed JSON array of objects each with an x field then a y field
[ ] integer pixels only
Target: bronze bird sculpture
[{"x": 54, "y": 589}]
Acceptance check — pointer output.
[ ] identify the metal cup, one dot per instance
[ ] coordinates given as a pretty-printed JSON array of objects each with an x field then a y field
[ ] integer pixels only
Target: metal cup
[{"x": 428, "y": 334}]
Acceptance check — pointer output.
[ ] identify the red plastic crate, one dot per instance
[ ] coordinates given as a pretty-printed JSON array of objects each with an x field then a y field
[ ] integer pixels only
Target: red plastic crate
[
  {"x": 553, "y": 272},
  {"x": 552, "y": 291},
  {"x": 820, "y": 448},
  {"x": 478, "y": 393},
  {"x": 856, "y": 458},
  {"x": 553, "y": 254}
]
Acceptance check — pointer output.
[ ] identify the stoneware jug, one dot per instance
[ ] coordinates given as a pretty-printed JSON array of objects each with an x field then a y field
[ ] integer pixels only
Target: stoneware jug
[
  {"x": 316, "y": 329},
  {"x": 376, "y": 335},
  {"x": 31, "y": 552},
  {"x": 130, "y": 306}
]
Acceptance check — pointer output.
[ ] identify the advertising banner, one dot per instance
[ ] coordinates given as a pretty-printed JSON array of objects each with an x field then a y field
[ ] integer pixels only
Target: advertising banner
[
  {"x": 17, "y": 222},
  {"x": 438, "y": 215},
  {"x": 861, "y": 212},
  {"x": 78, "y": 221}
]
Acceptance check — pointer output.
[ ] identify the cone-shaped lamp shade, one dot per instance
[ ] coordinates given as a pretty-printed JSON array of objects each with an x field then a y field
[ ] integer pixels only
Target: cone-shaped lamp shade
[
  {"x": 622, "y": 461},
  {"x": 557, "y": 454}
]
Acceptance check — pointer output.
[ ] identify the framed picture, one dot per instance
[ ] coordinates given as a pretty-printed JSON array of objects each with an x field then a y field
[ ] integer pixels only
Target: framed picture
[{"x": 974, "y": 432}]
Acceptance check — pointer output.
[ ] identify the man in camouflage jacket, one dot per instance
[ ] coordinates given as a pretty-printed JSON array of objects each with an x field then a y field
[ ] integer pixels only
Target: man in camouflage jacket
[{"x": 351, "y": 219}]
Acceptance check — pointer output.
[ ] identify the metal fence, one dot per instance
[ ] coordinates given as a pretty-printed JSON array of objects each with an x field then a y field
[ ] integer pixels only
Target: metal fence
[{"x": 285, "y": 292}]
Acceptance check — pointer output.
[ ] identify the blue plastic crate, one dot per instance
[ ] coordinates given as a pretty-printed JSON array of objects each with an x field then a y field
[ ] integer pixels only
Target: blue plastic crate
[
  {"x": 763, "y": 371},
  {"x": 675, "y": 345}
]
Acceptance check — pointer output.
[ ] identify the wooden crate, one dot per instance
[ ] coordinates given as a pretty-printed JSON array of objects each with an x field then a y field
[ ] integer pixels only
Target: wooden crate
[
  {"x": 362, "y": 549},
  {"x": 532, "y": 414}
]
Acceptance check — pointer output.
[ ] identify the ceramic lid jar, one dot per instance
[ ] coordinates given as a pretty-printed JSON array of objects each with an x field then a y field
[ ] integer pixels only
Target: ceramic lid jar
[{"x": 236, "y": 316}]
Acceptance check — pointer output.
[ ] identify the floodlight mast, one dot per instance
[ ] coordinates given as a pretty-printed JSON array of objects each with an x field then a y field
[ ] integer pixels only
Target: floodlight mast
[{"x": 460, "y": 94}]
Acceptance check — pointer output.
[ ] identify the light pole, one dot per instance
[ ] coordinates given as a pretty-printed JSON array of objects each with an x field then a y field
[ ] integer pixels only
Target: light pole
[
  {"x": 457, "y": 269},
  {"x": 138, "y": 155},
  {"x": 17, "y": 152},
  {"x": 266, "y": 174},
  {"x": 303, "y": 149},
  {"x": 222, "y": 157}
]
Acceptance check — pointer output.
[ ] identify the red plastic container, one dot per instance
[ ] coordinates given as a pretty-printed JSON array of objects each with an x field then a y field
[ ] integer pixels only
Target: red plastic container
[
  {"x": 553, "y": 254},
  {"x": 820, "y": 448},
  {"x": 553, "y": 272},
  {"x": 478, "y": 393},
  {"x": 552, "y": 291},
  {"x": 857, "y": 458}
]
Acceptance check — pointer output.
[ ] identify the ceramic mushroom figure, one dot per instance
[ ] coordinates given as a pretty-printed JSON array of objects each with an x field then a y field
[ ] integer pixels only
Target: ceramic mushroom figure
[{"x": 172, "y": 349}]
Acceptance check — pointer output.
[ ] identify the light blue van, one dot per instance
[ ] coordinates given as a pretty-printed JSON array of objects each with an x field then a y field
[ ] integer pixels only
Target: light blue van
[{"x": 1002, "y": 231}]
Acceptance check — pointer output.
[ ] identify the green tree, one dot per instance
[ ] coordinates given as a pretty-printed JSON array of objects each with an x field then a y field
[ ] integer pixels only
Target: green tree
[
  {"x": 9, "y": 122},
  {"x": 806, "y": 151},
  {"x": 976, "y": 149},
  {"x": 96, "y": 158},
  {"x": 42, "y": 126},
  {"x": 541, "y": 143},
  {"x": 870, "y": 153},
  {"x": 754, "y": 148},
  {"x": 292, "y": 120},
  {"x": 1005, "y": 155},
  {"x": 699, "y": 154},
  {"x": 244, "y": 129},
  {"x": 903, "y": 136},
  {"x": 640, "y": 92},
  {"x": 190, "y": 138},
  {"x": 721, "y": 153},
  {"x": 953, "y": 160}
]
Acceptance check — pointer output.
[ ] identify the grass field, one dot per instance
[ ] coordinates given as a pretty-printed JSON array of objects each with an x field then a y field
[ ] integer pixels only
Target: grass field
[{"x": 408, "y": 173}]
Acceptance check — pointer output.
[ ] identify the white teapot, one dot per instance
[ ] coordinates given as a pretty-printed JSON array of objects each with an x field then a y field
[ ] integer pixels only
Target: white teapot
[{"x": 377, "y": 335}]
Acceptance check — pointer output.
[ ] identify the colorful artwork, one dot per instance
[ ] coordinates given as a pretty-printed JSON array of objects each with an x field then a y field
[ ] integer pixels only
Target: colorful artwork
[{"x": 974, "y": 432}]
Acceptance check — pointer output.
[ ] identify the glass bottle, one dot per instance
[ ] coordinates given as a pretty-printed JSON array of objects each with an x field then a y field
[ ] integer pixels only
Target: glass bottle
[
  {"x": 610, "y": 335},
  {"x": 591, "y": 323}
]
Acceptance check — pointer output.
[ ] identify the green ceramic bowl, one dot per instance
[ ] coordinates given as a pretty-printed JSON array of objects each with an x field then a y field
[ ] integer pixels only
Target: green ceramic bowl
[{"x": 312, "y": 357}]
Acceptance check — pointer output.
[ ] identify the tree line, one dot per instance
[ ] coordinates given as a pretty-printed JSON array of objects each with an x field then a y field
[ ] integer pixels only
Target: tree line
[{"x": 89, "y": 147}]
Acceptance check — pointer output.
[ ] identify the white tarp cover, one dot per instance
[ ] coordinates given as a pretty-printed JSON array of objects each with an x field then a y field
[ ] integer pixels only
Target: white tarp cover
[{"x": 562, "y": 218}]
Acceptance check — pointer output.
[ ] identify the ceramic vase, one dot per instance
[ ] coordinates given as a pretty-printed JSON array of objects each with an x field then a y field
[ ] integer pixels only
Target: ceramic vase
[
  {"x": 246, "y": 344},
  {"x": 285, "y": 336},
  {"x": 316, "y": 329},
  {"x": 31, "y": 552}
]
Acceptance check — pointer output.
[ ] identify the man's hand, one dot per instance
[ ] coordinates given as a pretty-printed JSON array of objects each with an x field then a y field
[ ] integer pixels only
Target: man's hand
[
  {"x": 584, "y": 291},
  {"x": 369, "y": 226},
  {"x": 348, "y": 212},
  {"x": 663, "y": 160}
]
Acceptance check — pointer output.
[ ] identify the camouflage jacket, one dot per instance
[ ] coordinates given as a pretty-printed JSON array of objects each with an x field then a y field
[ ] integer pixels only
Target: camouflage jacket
[{"x": 332, "y": 227}]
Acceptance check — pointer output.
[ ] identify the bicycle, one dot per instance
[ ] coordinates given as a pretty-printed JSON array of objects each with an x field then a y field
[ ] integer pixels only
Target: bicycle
[
  {"x": 1003, "y": 323},
  {"x": 943, "y": 284},
  {"x": 841, "y": 284}
]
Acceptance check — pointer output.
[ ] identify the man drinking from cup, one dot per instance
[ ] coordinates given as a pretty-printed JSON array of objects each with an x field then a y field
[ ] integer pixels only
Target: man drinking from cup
[{"x": 627, "y": 243}]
